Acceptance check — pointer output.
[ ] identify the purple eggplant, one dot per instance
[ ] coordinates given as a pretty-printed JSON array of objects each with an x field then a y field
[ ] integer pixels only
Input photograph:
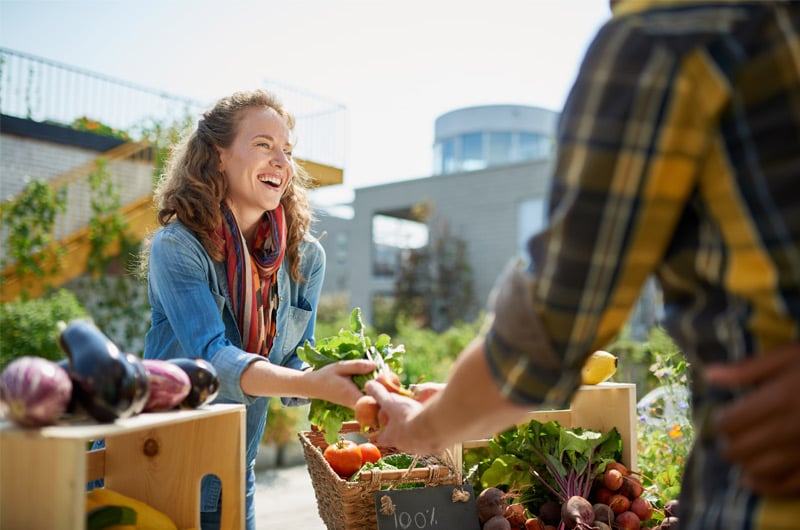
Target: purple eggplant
[
  {"x": 204, "y": 379},
  {"x": 35, "y": 391},
  {"x": 104, "y": 380},
  {"x": 142, "y": 382},
  {"x": 169, "y": 385}
]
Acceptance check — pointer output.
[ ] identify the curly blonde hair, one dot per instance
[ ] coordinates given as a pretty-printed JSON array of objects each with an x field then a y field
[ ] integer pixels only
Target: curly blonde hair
[{"x": 193, "y": 186}]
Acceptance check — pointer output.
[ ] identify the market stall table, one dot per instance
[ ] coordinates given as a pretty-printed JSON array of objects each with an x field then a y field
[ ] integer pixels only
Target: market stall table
[{"x": 158, "y": 458}]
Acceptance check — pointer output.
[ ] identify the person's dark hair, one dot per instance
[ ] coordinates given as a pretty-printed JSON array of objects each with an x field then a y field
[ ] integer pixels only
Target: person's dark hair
[{"x": 193, "y": 186}]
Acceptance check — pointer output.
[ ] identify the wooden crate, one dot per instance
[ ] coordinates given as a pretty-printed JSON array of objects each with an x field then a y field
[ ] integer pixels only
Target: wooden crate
[
  {"x": 599, "y": 408},
  {"x": 158, "y": 458}
]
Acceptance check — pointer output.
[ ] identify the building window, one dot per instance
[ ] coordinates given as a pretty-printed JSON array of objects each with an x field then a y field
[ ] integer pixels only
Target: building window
[
  {"x": 390, "y": 236},
  {"x": 449, "y": 160},
  {"x": 472, "y": 157},
  {"x": 533, "y": 146},
  {"x": 474, "y": 151},
  {"x": 499, "y": 148}
]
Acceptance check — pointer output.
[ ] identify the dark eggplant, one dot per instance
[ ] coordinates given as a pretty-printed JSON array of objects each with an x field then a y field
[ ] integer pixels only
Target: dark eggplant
[
  {"x": 104, "y": 381},
  {"x": 204, "y": 378},
  {"x": 142, "y": 382},
  {"x": 64, "y": 364}
]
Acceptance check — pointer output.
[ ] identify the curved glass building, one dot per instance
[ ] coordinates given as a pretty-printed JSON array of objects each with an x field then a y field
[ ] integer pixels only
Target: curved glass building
[{"x": 474, "y": 138}]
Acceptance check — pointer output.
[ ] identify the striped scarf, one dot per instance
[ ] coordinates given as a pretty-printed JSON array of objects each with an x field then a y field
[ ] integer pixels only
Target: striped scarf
[{"x": 252, "y": 276}]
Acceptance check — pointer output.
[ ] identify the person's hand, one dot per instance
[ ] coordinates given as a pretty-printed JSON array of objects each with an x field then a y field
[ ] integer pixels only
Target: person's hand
[
  {"x": 334, "y": 382},
  {"x": 395, "y": 416},
  {"x": 761, "y": 429},
  {"x": 424, "y": 391}
]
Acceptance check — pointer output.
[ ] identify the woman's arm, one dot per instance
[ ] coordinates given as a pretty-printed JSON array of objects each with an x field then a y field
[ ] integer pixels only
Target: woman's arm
[{"x": 332, "y": 383}]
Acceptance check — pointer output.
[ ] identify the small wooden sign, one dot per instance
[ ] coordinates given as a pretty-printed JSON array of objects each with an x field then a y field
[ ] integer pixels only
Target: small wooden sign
[{"x": 439, "y": 508}]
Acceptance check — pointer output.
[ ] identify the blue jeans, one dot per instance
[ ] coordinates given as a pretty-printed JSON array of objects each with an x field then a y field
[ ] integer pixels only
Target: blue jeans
[{"x": 212, "y": 520}]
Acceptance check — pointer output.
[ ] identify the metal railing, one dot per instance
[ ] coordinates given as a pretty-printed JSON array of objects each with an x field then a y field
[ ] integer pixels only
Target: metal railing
[
  {"x": 46, "y": 91},
  {"x": 42, "y": 90}
]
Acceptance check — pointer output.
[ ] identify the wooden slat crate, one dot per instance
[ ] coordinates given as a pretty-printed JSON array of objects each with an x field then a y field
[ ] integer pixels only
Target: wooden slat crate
[{"x": 157, "y": 458}]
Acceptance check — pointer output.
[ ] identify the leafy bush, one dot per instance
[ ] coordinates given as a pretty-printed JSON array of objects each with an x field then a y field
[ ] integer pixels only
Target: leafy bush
[
  {"x": 333, "y": 314},
  {"x": 31, "y": 327},
  {"x": 429, "y": 355},
  {"x": 28, "y": 221},
  {"x": 89, "y": 125},
  {"x": 283, "y": 423},
  {"x": 665, "y": 432},
  {"x": 665, "y": 429}
]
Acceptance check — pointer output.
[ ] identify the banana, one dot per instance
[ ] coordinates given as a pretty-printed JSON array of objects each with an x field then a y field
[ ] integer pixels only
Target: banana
[{"x": 598, "y": 367}]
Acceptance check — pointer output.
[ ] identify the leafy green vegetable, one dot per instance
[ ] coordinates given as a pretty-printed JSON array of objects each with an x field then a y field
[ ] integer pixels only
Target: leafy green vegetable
[
  {"x": 401, "y": 461},
  {"x": 396, "y": 461},
  {"x": 564, "y": 460},
  {"x": 507, "y": 469},
  {"x": 347, "y": 345}
]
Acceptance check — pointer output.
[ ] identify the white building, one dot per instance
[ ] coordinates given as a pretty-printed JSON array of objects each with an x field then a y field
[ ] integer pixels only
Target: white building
[{"x": 492, "y": 166}]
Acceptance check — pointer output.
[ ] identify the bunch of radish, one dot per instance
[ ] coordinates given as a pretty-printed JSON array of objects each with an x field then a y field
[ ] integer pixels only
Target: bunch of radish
[
  {"x": 498, "y": 510},
  {"x": 617, "y": 499},
  {"x": 615, "y": 502}
]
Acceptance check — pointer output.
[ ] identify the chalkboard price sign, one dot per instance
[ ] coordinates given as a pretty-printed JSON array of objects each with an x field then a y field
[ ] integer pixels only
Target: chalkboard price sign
[{"x": 431, "y": 508}]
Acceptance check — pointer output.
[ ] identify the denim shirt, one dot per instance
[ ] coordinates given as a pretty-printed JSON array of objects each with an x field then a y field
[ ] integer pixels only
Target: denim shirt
[{"x": 192, "y": 316}]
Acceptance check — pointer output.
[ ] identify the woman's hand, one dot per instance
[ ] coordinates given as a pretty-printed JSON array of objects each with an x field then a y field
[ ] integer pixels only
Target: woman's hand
[
  {"x": 396, "y": 414},
  {"x": 760, "y": 430},
  {"x": 334, "y": 382}
]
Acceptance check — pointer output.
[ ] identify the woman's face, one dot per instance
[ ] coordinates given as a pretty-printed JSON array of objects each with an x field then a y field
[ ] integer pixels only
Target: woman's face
[{"x": 257, "y": 165}]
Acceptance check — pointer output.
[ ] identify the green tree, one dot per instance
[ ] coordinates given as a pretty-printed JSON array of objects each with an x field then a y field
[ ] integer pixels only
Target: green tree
[
  {"x": 30, "y": 327},
  {"x": 434, "y": 284}
]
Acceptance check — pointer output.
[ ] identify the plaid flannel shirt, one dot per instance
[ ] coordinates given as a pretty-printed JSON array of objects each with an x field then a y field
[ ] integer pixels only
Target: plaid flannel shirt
[{"x": 679, "y": 157}]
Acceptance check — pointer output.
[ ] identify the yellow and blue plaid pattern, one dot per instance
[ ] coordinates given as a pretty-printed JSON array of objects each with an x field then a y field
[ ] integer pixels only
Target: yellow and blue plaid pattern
[{"x": 679, "y": 157}]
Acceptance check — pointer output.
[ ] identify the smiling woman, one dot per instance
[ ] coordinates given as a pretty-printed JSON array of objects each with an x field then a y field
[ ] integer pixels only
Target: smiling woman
[{"x": 234, "y": 275}]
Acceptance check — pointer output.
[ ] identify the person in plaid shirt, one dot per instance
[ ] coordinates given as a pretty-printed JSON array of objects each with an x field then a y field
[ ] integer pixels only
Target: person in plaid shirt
[{"x": 678, "y": 157}]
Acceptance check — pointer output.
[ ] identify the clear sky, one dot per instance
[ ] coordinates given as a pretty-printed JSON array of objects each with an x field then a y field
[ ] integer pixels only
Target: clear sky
[{"x": 395, "y": 65}]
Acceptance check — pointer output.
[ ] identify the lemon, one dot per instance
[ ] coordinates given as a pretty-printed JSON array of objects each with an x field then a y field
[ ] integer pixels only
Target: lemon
[{"x": 598, "y": 367}]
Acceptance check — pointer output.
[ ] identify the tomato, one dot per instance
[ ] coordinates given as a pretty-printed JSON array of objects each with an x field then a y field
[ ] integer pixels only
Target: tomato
[
  {"x": 344, "y": 457},
  {"x": 369, "y": 452}
]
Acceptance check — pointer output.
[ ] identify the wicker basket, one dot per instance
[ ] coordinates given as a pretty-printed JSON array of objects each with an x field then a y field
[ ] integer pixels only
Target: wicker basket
[{"x": 345, "y": 505}]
